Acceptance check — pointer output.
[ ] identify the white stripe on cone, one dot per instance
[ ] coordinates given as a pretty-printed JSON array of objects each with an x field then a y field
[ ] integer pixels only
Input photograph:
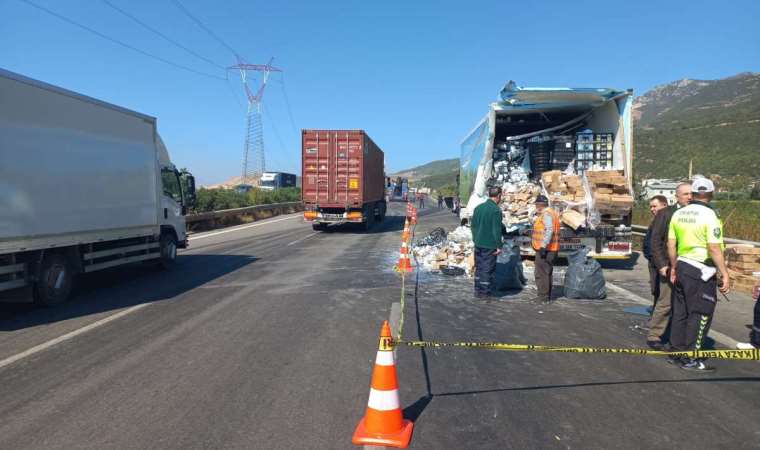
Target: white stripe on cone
[
  {"x": 385, "y": 359},
  {"x": 383, "y": 400}
]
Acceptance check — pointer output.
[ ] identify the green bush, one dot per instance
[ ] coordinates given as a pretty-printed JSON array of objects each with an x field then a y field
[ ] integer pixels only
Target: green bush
[{"x": 218, "y": 199}]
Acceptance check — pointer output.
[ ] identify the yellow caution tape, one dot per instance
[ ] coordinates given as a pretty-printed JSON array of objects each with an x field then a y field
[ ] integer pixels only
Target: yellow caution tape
[{"x": 746, "y": 355}]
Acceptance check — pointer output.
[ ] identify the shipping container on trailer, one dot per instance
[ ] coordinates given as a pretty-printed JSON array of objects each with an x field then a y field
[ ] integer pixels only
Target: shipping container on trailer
[{"x": 343, "y": 178}]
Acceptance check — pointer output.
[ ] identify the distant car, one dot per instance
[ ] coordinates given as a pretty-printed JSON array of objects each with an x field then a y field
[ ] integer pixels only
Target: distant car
[{"x": 243, "y": 188}]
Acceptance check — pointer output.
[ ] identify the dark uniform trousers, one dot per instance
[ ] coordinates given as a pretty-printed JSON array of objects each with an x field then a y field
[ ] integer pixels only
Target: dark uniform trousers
[
  {"x": 485, "y": 265},
  {"x": 693, "y": 306},
  {"x": 544, "y": 270},
  {"x": 754, "y": 335}
]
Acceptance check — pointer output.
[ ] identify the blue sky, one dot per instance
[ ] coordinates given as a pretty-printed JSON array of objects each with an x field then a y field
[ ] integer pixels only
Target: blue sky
[{"x": 416, "y": 75}]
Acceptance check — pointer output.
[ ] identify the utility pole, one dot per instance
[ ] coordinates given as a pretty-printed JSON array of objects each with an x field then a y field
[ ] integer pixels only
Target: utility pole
[
  {"x": 690, "y": 167},
  {"x": 254, "y": 160}
]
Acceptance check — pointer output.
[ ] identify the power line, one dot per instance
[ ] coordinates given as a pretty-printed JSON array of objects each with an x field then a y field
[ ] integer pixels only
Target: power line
[
  {"x": 166, "y": 38},
  {"x": 237, "y": 100},
  {"x": 287, "y": 104},
  {"x": 204, "y": 27},
  {"x": 277, "y": 134},
  {"x": 121, "y": 43}
]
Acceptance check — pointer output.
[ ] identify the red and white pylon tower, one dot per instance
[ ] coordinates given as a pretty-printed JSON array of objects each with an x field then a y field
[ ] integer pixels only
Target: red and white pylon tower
[{"x": 254, "y": 161}]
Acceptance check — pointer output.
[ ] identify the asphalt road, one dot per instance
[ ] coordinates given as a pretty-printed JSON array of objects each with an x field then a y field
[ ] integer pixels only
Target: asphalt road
[{"x": 264, "y": 336}]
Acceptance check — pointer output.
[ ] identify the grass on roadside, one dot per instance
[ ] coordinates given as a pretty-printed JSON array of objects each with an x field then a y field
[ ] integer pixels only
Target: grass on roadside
[{"x": 741, "y": 219}]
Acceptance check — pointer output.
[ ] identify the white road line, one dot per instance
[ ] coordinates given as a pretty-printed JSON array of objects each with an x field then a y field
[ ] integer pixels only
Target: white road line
[
  {"x": 301, "y": 239},
  {"x": 243, "y": 227},
  {"x": 70, "y": 335},
  {"x": 715, "y": 334}
]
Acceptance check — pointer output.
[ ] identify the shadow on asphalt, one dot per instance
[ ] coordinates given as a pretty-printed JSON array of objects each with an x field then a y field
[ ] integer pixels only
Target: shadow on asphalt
[
  {"x": 600, "y": 383},
  {"x": 392, "y": 223},
  {"x": 124, "y": 287}
]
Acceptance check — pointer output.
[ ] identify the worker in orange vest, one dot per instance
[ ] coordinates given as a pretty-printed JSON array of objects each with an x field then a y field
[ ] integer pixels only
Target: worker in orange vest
[{"x": 545, "y": 240}]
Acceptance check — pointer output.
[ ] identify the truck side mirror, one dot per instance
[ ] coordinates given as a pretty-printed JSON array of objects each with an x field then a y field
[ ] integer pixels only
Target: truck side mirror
[{"x": 188, "y": 188}]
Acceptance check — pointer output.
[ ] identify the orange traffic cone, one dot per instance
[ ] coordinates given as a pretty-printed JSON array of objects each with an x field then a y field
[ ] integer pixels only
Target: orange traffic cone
[
  {"x": 404, "y": 263},
  {"x": 383, "y": 423},
  {"x": 407, "y": 232}
]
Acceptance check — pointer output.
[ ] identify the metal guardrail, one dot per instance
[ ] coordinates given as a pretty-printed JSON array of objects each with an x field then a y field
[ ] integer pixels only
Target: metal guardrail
[
  {"x": 642, "y": 230},
  {"x": 201, "y": 217}
]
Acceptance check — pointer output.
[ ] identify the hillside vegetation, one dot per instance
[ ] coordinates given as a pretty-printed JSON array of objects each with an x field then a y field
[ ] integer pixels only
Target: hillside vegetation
[
  {"x": 715, "y": 123},
  {"x": 438, "y": 175}
]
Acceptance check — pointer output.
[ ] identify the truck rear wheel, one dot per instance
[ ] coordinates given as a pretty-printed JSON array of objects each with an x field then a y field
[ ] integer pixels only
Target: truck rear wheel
[
  {"x": 168, "y": 246},
  {"x": 55, "y": 280}
]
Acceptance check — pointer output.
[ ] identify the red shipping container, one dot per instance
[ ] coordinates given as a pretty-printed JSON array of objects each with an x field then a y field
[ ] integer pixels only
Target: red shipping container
[{"x": 342, "y": 171}]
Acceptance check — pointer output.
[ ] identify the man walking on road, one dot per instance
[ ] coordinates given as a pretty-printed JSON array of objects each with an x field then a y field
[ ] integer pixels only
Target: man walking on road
[
  {"x": 695, "y": 250},
  {"x": 545, "y": 241},
  {"x": 421, "y": 199},
  {"x": 440, "y": 201},
  {"x": 659, "y": 263},
  {"x": 486, "y": 235}
]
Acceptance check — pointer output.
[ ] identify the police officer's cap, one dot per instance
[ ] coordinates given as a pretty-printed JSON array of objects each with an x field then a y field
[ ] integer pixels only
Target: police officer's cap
[
  {"x": 542, "y": 199},
  {"x": 701, "y": 185}
]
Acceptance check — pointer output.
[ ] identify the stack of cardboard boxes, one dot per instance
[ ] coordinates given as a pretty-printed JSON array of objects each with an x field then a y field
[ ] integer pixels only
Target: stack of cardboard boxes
[
  {"x": 518, "y": 205},
  {"x": 743, "y": 266},
  {"x": 563, "y": 188},
  {"x": 567, "y": 194},
  {"x": 610, "y": 191}
]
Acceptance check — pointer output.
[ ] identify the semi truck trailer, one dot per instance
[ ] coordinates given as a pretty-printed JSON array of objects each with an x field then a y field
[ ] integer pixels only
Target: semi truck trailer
[
  {"x": 84, "y": 186},
  {"x": 343, "y": 178}
]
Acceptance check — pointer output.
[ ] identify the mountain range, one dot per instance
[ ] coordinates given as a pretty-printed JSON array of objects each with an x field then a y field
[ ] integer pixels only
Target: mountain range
[{"x": 714, "y": 123}]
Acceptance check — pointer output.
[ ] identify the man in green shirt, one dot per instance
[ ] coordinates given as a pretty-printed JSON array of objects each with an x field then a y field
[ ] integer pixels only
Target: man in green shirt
[
  {"x": 486, "y": 235},
  {"x": 695, "y": 250}
]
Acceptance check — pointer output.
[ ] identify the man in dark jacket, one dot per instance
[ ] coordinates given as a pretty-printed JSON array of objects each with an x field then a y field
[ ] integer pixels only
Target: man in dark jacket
[
  {"x": 659, "y": 277},
  {"x": 486, "y": 235},
  {"x": 656, "y": 204}
]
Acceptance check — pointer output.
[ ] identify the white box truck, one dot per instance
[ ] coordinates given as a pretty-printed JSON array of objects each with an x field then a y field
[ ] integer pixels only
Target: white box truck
[
  {"x": 84, "y": 186},
  {"x": 528, "y": 114}
]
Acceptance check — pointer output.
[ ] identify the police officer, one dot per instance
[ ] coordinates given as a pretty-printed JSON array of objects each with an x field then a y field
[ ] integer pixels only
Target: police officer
[
  {"x": 695, "y": 250},
  {"x": 487, "y": 236},
  {"x": 545, "y": 241}
]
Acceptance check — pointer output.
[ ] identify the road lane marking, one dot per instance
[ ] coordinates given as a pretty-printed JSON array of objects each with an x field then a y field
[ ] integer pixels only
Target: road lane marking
[
  {"x": 715, "y": 334},
  {"x": 302, "y": 239},
  {"x": 258, "y": 224},
  {"x": 70, "y": 335}
]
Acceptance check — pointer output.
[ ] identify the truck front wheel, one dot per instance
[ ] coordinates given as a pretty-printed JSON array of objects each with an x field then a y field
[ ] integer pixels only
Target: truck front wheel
[
  {"x": 55, "y": 280},
  {"x": 168, "y": 246}
]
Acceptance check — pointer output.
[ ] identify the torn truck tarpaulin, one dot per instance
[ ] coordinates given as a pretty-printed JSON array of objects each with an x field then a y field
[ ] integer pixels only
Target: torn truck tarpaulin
[{"x": 514, "y": 96}]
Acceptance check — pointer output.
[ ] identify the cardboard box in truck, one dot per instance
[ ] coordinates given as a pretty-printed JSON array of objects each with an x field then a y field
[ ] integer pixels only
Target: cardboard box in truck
[
  {"x": 343, "y": 178},
  {"x": 84, "y": 186}
]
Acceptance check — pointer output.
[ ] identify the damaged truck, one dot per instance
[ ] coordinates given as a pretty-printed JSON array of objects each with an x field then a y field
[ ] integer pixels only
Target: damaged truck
[{"x": 573, "y": 145}]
